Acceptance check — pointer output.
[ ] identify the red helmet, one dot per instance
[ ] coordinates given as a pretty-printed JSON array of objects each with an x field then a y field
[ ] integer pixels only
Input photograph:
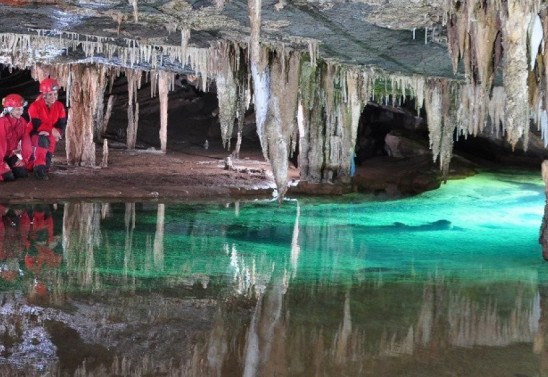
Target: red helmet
[
  {"x": 13, "y": 100},
  {"x": 48, "y": 85}
]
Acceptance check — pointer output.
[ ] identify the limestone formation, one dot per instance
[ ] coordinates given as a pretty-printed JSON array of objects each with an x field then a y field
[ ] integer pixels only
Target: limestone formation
[{"x": 306, "y": 78}]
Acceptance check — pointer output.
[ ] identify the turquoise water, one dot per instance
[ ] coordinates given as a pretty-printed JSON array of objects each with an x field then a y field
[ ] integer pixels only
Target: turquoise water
[{"x": 451, "y": 282}]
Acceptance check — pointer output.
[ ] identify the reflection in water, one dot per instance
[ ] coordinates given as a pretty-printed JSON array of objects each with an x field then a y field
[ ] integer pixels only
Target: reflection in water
[
  {"x": 307, "y": 289},
  {"x": 81, "y": 238},
  {"x": 159, "y": 239}
]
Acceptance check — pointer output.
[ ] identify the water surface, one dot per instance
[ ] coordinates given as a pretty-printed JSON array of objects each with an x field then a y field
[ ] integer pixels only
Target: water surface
[{"x": 451, "y": 282}]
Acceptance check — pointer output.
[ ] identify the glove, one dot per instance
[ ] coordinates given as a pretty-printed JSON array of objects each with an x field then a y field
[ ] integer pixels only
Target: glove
[
  {"x": 56, "y": 134},
  {"x": 20, "y": 164}
]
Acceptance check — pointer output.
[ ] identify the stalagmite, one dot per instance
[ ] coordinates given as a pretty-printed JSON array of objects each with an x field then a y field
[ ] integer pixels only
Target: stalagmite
[
  {"x": 104, "y": 161},
  {"x": 88, "y": 85}
]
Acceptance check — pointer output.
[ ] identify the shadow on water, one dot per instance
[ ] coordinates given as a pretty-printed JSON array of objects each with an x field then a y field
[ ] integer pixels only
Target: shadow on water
[
  {"x": 96, "y": 289},
  {"x": 433, "y": 226}
]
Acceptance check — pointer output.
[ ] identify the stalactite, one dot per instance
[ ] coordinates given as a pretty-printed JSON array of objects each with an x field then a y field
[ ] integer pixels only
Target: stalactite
[
  {"x": 442, "y": 121},
  {"x": 434, "y": 113},
  {"x": 134, "y": 82},
  {"x": 240, "y": 115},
  {"x": 130, "y": 53},
  {"x": 515, "y": 71},
  {"x": 270, "y": 81},
  {"x": 497, "y": 106},
  {"x": 280, "y": 128},
  {"x": 108, "y": 113},
  {"x": 544, "y": 79},
  {"x": 165, "y": 83},
  {"x": 483, "y": 33},
  {"x": 536, "y": 35},
  {"x": 332, "y": 152},
  {"x": 479, "y": 34},
  {"x": 313, "y": 51},
  {"x": 227, "y": 89},
  {"x": 473, "y": 109},
  {"x": 133, "y": 3},
  {"x": 99, "y": 110},
  {"x": 185, "y": 36},
  {"x": 352, "y": 110}
]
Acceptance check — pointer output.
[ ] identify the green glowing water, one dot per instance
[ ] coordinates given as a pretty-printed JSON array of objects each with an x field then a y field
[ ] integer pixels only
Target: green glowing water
[
  {"x": 486, "y": 226},
  {"x": 426, "y": 286}
]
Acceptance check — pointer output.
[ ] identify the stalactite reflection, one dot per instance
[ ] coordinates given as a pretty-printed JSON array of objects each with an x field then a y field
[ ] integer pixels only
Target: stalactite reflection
[
  {"x": 82, "y": 236},
  {"x": 213, "y": 293},
  {"x": 129, "y": 220},
  {"x": 159, "y": 238}
]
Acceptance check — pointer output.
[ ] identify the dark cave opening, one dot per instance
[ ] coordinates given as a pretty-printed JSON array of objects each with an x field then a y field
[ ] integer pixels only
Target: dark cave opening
[
  {"x": 192, "y": 118},
  {"x": 192, "y": 113},
  {"x": 380, "y": 124}
]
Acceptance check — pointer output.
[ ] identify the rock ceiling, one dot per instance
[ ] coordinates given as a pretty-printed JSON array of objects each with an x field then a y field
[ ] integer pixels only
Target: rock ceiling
[{"x": 369, "y": 33}]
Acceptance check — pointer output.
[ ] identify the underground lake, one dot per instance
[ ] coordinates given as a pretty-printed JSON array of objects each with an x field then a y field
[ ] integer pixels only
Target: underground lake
[{"x": 451, "y": 282}]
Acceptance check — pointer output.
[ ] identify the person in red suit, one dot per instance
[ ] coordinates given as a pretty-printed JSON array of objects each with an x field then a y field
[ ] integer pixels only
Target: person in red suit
[
  {"x": 12, "y": 138},
  {"x": 48, "y": 121}
]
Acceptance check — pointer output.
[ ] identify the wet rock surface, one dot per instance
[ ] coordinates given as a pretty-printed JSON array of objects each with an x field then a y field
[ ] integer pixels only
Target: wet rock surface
[{"x": 122, "y": 331}]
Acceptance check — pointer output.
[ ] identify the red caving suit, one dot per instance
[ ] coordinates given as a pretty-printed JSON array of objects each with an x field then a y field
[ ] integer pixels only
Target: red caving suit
[
  {"x": 43, "y": 118},
  {"x": 11, "y": 132}
]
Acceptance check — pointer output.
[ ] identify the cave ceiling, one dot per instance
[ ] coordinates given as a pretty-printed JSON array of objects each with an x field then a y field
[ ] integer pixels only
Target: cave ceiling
[{"x": 388, "y": 35}]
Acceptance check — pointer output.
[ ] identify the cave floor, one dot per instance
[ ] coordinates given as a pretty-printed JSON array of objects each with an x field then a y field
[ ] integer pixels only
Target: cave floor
[{"x": 192, "y": 173}]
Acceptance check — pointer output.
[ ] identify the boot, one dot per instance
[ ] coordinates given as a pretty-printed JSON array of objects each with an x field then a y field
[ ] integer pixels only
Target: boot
[
  {"x": 20, "y": 172},
  {"x": 7, "y": 176},
  {"x": 49, "y": 157},
  {"x": 40, "y": 172}
]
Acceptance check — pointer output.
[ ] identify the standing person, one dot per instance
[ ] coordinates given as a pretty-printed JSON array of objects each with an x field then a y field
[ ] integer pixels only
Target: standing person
[
  {"x": 48, "y": 120},
  {"x": 12, "y": 132}
]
